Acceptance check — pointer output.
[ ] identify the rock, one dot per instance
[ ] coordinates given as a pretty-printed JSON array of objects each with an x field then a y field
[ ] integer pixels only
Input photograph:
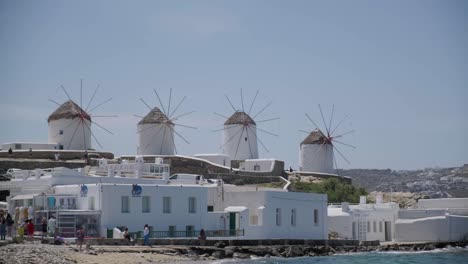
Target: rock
[
  {"x": 218, "y": 254},
  {"x": 241, "y": 255},
  {"x": 228, "y": 253},
  {"x": 294, "y": 251},
  {"x": 220, "y": 244}
]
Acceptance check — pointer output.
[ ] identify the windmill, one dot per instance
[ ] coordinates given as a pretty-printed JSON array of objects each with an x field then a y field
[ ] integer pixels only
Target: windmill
[
  {"x": 240, "y": 131},
  {"x": 317, "y": 149},
  {"x": 157, "y": 129},
  {"x": 70, "y": 124}
]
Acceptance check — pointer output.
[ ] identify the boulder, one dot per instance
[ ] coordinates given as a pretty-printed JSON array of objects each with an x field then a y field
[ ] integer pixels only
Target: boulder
[
  {"x": 294, "y": 251},
  {"x": 218, "y": 254},
  {"x": 220, "y": 244}
]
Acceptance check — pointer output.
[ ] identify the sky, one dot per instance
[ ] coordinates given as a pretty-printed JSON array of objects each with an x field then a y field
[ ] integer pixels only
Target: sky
[{"x": 397, "y": 69}]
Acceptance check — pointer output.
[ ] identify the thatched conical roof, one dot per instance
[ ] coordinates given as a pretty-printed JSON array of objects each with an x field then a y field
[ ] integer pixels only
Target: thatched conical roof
[
  {"x": 315, "y": 137},
  {"x": 240, "y": 118},
  {"x": 155, "y": 116},
  {"x": 68, "y": 110}
]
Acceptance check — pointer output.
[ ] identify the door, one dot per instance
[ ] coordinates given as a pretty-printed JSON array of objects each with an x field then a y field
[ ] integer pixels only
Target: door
[
  {"x": 232, "y": 224},
  {"x": 388, "y": 231}
]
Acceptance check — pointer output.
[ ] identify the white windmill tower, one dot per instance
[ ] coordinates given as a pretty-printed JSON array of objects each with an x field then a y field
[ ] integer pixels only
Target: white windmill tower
[
  {"x": 240, "y": 132},
  {"x": 70, "y": 124},
  {"x": 316, "y": 153},
  {"x": 156, "y": 130}
]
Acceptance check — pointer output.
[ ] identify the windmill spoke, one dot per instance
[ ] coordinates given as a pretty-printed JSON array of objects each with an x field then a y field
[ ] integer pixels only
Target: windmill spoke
[
  {"x": 341, "y": 155},
  {"x": 339, "y": 123},
  {"x": 92, "y": 97},
  {"x": 185, "y": 126},
  {"x": 264, "y": 131},
  {"x": 331, "y": 117},
  {"x": 224, "y": 128},
  {"x": 169, "y": 106},
  {"x": 242, "y": 101},
  {"x": 238, "y": 143},
  {"x": 344, "y": 144},
  {"x": 143, "y": 101},
  {"x": 257, "y": 138},
  {"x": 173, "y": 130},
  {"x": 81, "y": 93},
  {"x": 160, "y": 102},
  {"x": 253, "y": 101},
  {"x": 162, "y": 142},
  {"x": 323, "y": 119},
  {"x": 78, "y": 125},
  {"x": 63, "y": 88},
  {"x": 139, "y": 116},
  {"x": 101, "y": 127},
  {"x": 220, "y": 115},
  {"x": 263, "y": 109},
  {"x": 108, "y": 100},
  {"x": 267, "y": 120},
  {"x": 349, "y": 132},
  {"x": 231, "y": 137},
  {"x": 54, "y": 102},
  {"x": 310, "y": 119},
  {"x": 230, "y": 103},
  {"x": 175, "y": 118},
  {"x": 307, "y": 132},
  {"x": 177, "y": 107},
  {"x": 92, "y": 134},
  {"x": 104, "y": 116}
]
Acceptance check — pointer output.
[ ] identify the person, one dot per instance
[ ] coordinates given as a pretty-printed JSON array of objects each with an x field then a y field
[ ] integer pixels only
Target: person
[
  {"x": 56, "y": 156},
  {"x": 202, "y": 237},
  {"x": 30, "y": 152},
  {"x": 10, "y": 151},
  {"x": 30, "y": 227},
  {"x": 79, "y": 238},
  {"x": 290, "y": 169},
  {"x": 126, "y": 235},
  {"x": 9, "y": 223},
  {"x": 51, "y": 226},
  {"x": 146, "y": 235},
  {"x": 44, "y": 227},
  {"x": 2, "y": 227},
  {"x": 21, "y": 229}
]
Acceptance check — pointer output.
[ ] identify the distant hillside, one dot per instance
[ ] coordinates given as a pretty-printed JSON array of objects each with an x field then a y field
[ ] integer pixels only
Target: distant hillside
[{"x": 432, "y": 182}]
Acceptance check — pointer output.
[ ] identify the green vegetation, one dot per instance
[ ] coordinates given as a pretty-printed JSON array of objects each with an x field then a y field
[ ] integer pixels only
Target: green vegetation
[{"x": 337, "y": 191}]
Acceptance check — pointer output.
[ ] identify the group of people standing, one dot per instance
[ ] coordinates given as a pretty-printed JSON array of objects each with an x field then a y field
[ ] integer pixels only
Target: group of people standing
[{"x": 6, "y": 226}]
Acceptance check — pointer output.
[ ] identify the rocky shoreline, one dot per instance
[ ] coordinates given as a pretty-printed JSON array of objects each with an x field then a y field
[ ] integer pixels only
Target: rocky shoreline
[{"x": 37, "y": 252}]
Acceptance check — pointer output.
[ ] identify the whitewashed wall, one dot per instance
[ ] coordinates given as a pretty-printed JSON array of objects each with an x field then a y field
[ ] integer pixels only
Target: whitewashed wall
[
  {"x": 81, "y": 140},
  {"x": 155, "y": 139},
  {"x": 27, "y": 145},
  {"x": 234, "y": 137},
  {"x": 312, "y": 158}
]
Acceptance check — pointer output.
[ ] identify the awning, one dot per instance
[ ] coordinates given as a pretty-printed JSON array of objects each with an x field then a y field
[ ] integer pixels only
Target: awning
[
  {"x": 236, "y": 209},
  {"x": 25, "y": 196}
]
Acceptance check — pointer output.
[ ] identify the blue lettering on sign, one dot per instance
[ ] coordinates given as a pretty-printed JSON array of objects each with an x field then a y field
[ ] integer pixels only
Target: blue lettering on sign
[
  {"x": 136, "y": 190},
  {"x": 84, "y": 190}
]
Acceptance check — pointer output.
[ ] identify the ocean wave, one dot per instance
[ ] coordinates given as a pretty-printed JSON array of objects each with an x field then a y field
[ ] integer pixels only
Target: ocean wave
[{"x": 438, "y": 250}]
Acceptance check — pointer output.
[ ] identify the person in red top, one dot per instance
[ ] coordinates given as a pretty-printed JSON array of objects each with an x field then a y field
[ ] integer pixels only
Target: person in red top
[{"x": 30, "y": 228}]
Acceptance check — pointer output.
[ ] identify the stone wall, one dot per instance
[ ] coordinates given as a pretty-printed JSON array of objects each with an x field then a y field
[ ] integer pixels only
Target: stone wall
[{"x": 49, "y": 154}]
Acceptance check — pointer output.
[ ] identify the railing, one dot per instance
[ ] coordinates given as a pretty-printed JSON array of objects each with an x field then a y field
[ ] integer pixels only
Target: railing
[{"x": 190, "y": 234}]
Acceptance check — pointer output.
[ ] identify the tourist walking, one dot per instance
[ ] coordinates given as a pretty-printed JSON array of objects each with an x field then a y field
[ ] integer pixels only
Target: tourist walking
[
  {"x": 146, "y": 235},
  {"x": 9, "y": 223},
  {"x": 44, "y": 227},
  {"x": 52, "y": 226},
  {"x": 79, "y": 238},
  {"x": 2, "y": 227}
]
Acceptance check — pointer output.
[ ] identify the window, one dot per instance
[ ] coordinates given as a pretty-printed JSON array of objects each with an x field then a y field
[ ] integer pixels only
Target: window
[
  {"x": 172, "y": 231},
  {"x": 145, "y": 204},
  {"x": 90, "y": 203},
  {"x": 293, "y": 217},
  {"x": 368, "y": 226},
  {"x": 210, "y": 208},
  {"x": 256, "y": 167},
  {"x": 316, "y": 216},
  {"x": 125, "y": 204},
  {"x": 375, "y": 227},
  {"x": 278, "y": 216},
  {"x": 60, "y": 132},
  {"x": 166, "y": 205},
  {"x": 192, "y": 205},
  {"x": 380, "y": 226},
  {"x": 245, "y": 138}
]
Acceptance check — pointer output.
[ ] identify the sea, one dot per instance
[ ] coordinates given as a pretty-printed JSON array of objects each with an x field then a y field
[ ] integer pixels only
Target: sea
[{"x": 443, "y": 256}]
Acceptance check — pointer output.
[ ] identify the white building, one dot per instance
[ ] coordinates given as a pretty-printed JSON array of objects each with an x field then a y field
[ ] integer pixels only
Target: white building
[
  {"x": 364, "y": 222},
  {"x": 443, "y": 219},
  {"x": 316, "y": 153},
  {"x": 70, "y": 127},
  {"x": 134, "y": 194},
  {"x": 29, "y": 145},
  {"x": 260, "y": 165},
  {"x": 155, "y": 134},
  {"x": 240, "y": 137}
]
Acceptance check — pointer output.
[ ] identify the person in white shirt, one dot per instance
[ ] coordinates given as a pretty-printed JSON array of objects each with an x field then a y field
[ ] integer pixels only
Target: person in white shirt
[{"x": 146, "y": 235}]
